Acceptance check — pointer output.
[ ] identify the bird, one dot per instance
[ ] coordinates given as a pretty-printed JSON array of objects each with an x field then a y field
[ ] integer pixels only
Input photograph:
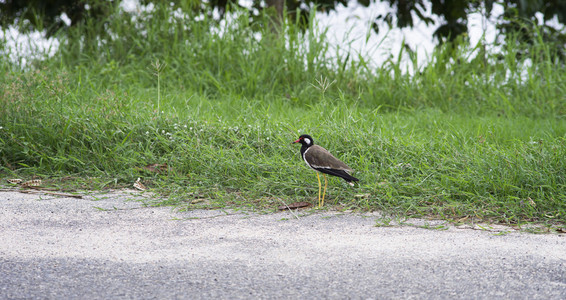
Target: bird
[{"x": 320, "y": 160}]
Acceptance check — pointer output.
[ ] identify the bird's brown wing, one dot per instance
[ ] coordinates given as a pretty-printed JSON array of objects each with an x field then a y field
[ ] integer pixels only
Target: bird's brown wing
[{"x": 319, "y": 157}]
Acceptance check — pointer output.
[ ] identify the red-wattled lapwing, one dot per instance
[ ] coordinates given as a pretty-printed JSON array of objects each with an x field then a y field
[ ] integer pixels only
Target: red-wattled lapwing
[{"x": 322, "y": 161}]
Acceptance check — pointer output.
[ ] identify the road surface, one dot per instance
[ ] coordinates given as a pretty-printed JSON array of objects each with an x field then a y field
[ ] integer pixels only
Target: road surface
[{"x": 106, "y": 246}]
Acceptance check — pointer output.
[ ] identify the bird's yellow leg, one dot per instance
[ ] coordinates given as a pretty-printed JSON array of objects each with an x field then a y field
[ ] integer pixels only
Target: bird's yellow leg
[
  {"x": 319, "y": 186},
  {"x": 325, "y": 185}
]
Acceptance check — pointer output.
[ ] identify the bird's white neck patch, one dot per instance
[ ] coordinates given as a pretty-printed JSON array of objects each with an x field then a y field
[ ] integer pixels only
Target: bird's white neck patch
[
  {"x": 305, "y": 159},
  {"x": 307, "y": 141}
]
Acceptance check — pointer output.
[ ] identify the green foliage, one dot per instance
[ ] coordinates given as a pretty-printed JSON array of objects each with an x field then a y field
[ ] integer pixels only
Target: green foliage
[
  {"x": 42, "y": 15},
  {"x": 452, "y": 16},
  {"x": 472, "y": 134}
]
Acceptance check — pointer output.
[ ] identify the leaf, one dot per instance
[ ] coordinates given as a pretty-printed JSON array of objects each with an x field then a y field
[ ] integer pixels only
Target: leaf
[
  {"x": 34, "y": 182},
  {"x": 157, "y": 168},
  {"x": 531, "y": 202},
  {"x": 139, "y": 186},
  {"x": 295, "y": 205}
]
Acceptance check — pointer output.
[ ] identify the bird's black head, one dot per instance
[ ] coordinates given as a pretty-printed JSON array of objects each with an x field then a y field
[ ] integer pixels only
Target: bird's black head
[{"x": 305, "y": 140}]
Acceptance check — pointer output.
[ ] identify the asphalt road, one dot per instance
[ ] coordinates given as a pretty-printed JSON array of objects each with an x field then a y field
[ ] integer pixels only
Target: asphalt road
[{"x": 106, "y": 247}]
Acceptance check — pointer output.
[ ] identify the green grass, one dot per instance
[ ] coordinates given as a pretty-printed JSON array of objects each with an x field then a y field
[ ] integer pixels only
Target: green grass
[{"x": 464, "y": 138}]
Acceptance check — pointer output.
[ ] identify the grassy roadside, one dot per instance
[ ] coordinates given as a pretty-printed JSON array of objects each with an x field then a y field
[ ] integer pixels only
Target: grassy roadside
[{"x": 460, "y": 140}]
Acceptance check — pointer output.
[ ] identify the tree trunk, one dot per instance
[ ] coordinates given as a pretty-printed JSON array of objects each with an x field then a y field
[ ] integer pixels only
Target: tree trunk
[{"x": 275, "y": 9}]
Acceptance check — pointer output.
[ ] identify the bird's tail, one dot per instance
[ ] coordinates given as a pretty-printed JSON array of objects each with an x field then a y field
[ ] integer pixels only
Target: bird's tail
[
  {"x": 344, "y": 175},
  {"x": 351, "y": 180}
]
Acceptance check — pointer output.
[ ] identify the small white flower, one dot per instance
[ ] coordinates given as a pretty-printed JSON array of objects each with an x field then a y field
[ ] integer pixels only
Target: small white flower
[
  {"x": 185, "y": 126},
  {"x": 147, "y": 132},
  {"x": 162, "y": 131},
  {"x": 268, "y": 138},
  {"x": 1, "y": 127}
]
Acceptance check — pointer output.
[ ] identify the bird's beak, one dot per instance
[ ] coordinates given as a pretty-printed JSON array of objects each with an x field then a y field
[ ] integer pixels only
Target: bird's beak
[{"x": 296, "y": 141}]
